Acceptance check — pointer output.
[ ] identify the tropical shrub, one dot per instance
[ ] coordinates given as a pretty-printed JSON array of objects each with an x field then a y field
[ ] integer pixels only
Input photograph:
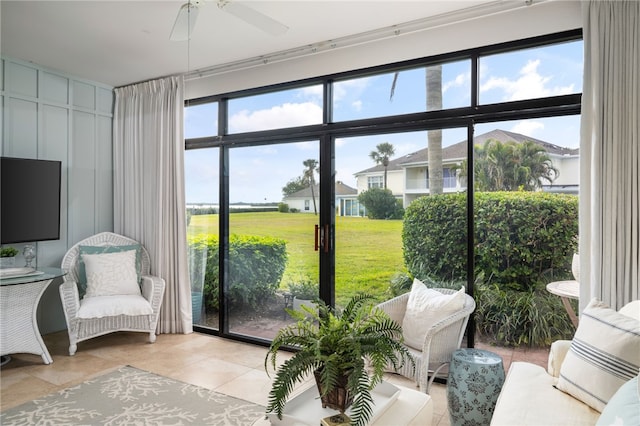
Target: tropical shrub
[
  {"x": 532, "y": 317},
  {"x": 256, "y": 266},
  {"x": 381, "y": 204},
  {"x": 520, "y": 236}
]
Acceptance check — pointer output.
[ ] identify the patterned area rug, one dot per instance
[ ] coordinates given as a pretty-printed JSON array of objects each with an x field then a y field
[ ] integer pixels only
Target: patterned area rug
[{"x": 130, "y": 396}]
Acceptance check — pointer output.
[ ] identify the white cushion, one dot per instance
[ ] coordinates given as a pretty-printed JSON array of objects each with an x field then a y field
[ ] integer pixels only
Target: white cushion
[
  {"x": 425, "y": 308},
  {"x": 528, "y": 397},
  {"x": 109, "y": 306},
  {"x": 631, "y": 309},
  {"x": 110, "y": 274},
  {"x": 604, "y": 354}
]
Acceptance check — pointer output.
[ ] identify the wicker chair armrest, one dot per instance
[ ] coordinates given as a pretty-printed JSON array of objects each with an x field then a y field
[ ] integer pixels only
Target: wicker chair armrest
[
  {"x": 70, "y": 299},
  {"x": 153, "y": 290},
  {"x": 395, "y": 307}
]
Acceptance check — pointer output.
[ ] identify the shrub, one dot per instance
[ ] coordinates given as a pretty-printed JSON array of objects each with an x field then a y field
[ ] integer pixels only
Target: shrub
[
  {"x": 532, "y": 317},
  {"x": 303, "y": 288},
  {"x": 283, "y": 208},
  {"x": 256, "y": 266},
  {"x": 381, "y": 204},
  {"x": 520, "y": 236}
]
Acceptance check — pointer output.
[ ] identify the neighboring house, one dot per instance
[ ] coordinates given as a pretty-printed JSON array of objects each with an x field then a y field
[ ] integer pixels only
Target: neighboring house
[
  {"x": 408, "y": 176},
  {"x": 346, "y": 200}
]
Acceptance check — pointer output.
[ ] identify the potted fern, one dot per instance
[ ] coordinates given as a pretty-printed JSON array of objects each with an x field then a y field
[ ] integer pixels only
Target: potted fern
[{"x": 348, "y": 353}]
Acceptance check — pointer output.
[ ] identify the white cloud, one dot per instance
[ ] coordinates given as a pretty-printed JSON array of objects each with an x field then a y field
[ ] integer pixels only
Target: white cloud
[
  {"x": 285, "y": 115},
  {"x": 459, "y": 81},
  {"x": 356, "y": 105},
  {"x": 528, "y": 127},
  {"x": 351, "y": 88},
  {"x": 529, "y": 84}
]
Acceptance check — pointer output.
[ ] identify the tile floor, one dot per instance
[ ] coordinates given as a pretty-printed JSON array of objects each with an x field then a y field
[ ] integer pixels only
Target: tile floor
[{"x": 229, "y": 367}]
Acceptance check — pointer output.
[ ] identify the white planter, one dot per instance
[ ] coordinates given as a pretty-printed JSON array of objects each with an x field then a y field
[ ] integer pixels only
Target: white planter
[{"x": 7, "y": 262}]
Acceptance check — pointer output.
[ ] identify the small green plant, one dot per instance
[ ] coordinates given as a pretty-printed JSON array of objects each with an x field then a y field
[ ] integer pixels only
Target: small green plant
[
  {"x": 8, "y": 251},
  {"x": 303, "y": 288},
  {"x": 335, "y": 346}
]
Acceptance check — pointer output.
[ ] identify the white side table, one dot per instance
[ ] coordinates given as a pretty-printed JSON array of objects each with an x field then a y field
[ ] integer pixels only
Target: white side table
[
  {"x": 566, "y": 290},
  {"x": 19, "y": 297}
]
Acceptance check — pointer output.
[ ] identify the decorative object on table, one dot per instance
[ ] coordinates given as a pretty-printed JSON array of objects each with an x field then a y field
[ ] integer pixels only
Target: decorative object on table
[
  {"x": 8, "y": 257},
  {"x": 475, "y": 379},
  {"x": 433, "y": 324},
  {"x": 96, "y": 300},
  {"x": 29, "y": 253},
  {"x": 337, "y": 420},
  {"x": 132, "y": 396},
  {"x": 337, "y": 347}
]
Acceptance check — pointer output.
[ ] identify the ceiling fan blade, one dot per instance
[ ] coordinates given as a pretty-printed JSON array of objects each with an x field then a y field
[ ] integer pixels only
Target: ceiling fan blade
[
  {"x": 185, "y": 22},
  {"x": 253, "y": 17}
]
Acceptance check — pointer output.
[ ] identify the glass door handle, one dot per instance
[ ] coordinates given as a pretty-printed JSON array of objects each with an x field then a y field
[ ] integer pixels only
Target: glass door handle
[{"x": 317, "y": 237}]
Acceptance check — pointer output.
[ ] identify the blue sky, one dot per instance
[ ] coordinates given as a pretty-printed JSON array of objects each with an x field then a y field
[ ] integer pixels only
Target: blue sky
[{"x": 257, "y": 174}]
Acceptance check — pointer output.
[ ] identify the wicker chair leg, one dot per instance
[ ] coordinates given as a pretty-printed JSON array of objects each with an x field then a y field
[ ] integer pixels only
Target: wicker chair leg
[
  {"x": 72, "y": 349},
  {"x": 432, "y": 378},
  {"x": 152, "y": 337}
]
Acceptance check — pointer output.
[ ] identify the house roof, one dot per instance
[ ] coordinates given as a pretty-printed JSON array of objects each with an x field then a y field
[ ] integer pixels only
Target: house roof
[
  {"x": 341, "y": 190},
  {"x": 458, "y": 151}
]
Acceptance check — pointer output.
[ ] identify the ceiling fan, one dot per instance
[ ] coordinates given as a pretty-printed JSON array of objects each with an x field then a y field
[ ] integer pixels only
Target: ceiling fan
[{"x": 186, "y": 19}]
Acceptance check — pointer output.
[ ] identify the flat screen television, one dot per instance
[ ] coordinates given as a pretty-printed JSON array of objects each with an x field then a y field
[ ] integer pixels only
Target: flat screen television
[{"x": 30, "y": 200}]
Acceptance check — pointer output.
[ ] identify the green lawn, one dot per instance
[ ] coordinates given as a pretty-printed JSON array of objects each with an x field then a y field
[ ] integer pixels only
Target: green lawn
[{"x": 368, "y": 252}]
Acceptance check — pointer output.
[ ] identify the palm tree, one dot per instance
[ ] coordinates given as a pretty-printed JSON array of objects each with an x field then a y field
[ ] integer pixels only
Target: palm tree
[
  {"x": 433, "y": 76},
  {"x": 309, "y": 173},
  {"x": 510, "y": 166},
  {"x": 381, "y": 156}
]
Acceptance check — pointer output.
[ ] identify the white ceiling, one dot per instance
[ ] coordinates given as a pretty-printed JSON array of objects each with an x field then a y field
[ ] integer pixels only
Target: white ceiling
[{"x": 122, "y": 42}]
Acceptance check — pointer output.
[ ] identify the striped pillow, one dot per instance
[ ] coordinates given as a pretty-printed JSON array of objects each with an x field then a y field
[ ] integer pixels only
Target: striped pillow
[{"x": 604, "y": 354}]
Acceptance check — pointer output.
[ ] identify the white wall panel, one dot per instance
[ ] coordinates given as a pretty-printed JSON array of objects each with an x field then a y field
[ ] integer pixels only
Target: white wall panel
[
  {"x": 51, "y": 116},
  {"x": 21, "y": 128},
  {"x": 82, "y": 176},
  {"x": 21, "y": 79},
  {"x": 84, "y": 95},
  {"x": 54, "y": 88}
]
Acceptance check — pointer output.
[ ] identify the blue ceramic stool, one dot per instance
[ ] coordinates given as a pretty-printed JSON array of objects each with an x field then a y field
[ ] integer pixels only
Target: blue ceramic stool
[{"x": 475, "y": 380}]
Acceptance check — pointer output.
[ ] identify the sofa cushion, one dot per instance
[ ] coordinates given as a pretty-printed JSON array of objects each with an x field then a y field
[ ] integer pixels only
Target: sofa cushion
[
  {"x": 529, "y": 398},
  {"x": 425, "y": 308},
  {"x": 623, "y": 407},
  {"x": 111, "y": 274},
  {"x": 604, "y": 354}
]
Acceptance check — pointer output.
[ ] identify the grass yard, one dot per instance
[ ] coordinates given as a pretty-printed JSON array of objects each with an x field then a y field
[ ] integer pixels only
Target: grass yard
[{"x": 368, "y": 252}]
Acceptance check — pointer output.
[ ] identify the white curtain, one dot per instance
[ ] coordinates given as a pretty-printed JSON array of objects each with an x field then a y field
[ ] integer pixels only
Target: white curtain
[
  {"x": 610, "y": 154},
  {"x": 149, "y": 199}
]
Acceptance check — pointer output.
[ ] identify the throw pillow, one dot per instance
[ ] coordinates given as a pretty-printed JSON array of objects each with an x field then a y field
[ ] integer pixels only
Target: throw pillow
[
  {"x": 624, "y": 407},
  {"x": 111, "y": 274},
  {"x": 82, "y": 275},
  {"x": 425, "y": 308},
  {"x": 604, "y": 354}
]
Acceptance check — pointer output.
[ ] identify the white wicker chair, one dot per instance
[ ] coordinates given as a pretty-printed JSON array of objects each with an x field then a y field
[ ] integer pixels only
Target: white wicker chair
[
  {"x": 441, "y": 340},
  {"x": 79, "y": 329}
]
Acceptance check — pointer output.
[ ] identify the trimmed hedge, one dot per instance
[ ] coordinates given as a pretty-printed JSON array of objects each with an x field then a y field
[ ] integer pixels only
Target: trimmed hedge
[
  {"x": 256, "y": 267},
  {"x": 519, "y": 236}
]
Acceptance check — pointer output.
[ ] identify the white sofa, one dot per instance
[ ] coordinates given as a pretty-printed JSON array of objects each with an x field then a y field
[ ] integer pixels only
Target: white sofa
[{"x": 529, "y": 395}]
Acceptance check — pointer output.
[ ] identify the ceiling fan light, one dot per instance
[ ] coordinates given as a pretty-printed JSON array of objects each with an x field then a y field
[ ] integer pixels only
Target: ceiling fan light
[{"x": 185, "y": 22}]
